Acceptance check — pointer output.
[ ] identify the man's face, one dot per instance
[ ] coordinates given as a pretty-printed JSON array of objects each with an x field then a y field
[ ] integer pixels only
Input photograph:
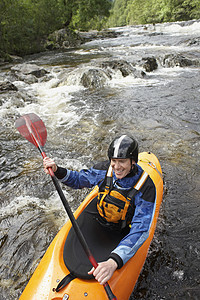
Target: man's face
[{"x": 121, "y": 166}]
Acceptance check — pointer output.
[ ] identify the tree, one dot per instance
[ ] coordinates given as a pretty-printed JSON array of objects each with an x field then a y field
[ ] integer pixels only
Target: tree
[
  {"x": 88, "y": 14},
  {"x": 129, "y": 12},
  {"x": 118, "y": 13},
  {"x": 24, "y": 23}
]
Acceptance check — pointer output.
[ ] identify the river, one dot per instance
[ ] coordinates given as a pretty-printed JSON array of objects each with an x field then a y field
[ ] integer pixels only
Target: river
[{"x": 87, "y": 96}]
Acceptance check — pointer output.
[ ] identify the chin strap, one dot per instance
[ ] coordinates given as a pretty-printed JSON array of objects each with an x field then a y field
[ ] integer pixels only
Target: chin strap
[{"x": 133, "y": 169}]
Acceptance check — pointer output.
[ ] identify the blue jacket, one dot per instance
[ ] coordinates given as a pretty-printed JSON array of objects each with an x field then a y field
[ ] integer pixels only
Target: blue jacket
[{"x": 144, "y": 204}]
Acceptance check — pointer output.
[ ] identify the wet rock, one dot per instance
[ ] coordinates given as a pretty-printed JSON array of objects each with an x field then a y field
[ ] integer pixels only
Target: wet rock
[
  {"x": 106, "y": 33},
  {"x": 178, "y": 60},
  {"x": 95, "y": 34},
  {"x": 16, "y": 59},
  {"x": 66, "y": 38},
  {"x": 94, "y": 78},
  {"x": 194, "y": 42},
  {"x": 7, "y": 86},
  {"x": 3, "y": 238},
  {"x": 155, "y": 33},
  {"x": 29, "y": 79},
  {"x": 29, "y": 73},
  {"x": 150, "y": 64},
  {"x": 63, "y": 39},
  {"x": 123, "y": 66},
  {"x": 29, "y": 69},
  {"x": 8, "y": 58}
]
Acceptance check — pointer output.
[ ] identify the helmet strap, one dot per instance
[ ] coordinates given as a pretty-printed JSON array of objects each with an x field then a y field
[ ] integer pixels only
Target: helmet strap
[{"x": 133, "y": 169}]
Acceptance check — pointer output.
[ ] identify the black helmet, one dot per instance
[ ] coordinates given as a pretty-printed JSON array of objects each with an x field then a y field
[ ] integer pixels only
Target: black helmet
[{"x": 123, "y": 146}]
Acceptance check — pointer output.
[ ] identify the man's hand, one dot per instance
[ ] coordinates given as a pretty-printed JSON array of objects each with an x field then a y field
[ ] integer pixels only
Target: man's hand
[
  {"x": 104, "y": 271},
  {"x": 49, "y": 163}
]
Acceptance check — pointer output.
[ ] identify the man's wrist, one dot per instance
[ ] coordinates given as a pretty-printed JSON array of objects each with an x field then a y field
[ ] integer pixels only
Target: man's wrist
[
  {"x": 114, "y": 263},
  {"x": 117, "y": 259}
]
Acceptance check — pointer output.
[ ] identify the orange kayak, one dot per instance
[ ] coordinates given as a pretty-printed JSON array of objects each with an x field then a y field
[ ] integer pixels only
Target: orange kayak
[{"x": 52, "y": 268}]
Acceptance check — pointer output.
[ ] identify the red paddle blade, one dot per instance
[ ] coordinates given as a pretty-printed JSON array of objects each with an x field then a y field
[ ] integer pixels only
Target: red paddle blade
[{"x": 32, "y": 128}]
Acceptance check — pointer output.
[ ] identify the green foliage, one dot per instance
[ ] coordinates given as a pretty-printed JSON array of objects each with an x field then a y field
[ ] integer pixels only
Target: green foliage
[
  {"x": 130, "y": 12},
  {"x": 192, "y": 8},
  {"x": 25, "y": 23},
  {"x": 119, "y": 13},
  {"x": 90, "y": 14}
]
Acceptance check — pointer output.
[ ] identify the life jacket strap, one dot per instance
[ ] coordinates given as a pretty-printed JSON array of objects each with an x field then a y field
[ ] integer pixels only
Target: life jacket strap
[
  {"x": 127, "y": 203},
  {"x": 109, "y": 179},
  {"x": 104, "y": 195},
  {"x": 141, "y": 181}
]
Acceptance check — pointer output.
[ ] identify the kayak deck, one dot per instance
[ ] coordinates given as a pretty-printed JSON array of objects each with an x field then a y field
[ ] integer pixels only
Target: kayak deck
[{"x": 101, "y": 241}]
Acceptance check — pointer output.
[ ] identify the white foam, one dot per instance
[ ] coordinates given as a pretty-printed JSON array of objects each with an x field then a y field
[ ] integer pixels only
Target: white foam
[
  {"x": 178, "y": 275},
  {"x": 119, "y": 81},
  {"x": 52, "y": 103},
  {"x": 176, "y": 29},
  {"x": 23, "y": 202}
]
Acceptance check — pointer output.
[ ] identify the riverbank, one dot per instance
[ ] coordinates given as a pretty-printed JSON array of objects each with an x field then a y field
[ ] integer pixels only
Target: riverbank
[{"x": 62, "y": 39}]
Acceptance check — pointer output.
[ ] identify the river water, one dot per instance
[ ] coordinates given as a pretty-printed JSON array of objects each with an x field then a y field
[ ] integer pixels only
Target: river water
[{"x": 85, "y": 100}]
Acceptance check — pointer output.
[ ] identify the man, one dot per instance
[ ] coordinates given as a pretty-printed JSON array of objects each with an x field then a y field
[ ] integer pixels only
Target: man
[{"x": 126, "y": 199}]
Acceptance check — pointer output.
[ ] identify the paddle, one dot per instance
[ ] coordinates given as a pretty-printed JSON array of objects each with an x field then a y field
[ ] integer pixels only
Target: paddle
[{"x": 33, "y": 129}]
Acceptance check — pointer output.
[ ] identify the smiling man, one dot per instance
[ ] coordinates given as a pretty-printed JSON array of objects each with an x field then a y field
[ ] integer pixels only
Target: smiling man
[
  {"x": 121, "y": 167},
  {"x": 125, "y": 201}
]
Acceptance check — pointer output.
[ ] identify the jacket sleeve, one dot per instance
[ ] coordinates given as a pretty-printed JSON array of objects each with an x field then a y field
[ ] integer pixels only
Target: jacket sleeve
[
  {"x": 139, "y": 232},
  {"x": 85, "y": 178}
]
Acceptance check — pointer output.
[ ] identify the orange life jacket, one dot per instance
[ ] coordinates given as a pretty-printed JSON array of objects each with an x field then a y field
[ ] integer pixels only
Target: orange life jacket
[{"x": 115, "y": 205}]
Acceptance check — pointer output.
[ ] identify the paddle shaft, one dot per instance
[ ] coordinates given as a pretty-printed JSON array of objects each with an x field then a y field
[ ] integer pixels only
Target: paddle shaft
[{"x": 75, "y": 225}]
